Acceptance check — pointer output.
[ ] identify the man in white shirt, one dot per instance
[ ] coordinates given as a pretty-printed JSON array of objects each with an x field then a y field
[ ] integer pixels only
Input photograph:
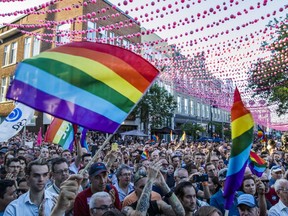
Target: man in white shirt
[{"x": 281, "y": 208}]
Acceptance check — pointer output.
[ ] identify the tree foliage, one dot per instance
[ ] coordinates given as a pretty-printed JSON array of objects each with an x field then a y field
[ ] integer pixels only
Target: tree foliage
[
  {"x": 156, "y": 107},
  {"x": 269, "y": 78},
  {"x": 192, "y": 129}
]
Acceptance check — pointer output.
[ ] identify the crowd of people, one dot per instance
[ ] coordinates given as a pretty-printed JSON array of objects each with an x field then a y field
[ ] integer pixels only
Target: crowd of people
[{"x": 136, "y": 178}]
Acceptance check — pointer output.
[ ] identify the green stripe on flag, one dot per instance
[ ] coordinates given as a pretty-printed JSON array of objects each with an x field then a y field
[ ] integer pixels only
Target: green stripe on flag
[{"x": 242, "y": 142}]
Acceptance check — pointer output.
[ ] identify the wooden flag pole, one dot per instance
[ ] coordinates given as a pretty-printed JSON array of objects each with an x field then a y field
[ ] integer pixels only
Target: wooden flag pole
[{"x": 96, "y": 154}]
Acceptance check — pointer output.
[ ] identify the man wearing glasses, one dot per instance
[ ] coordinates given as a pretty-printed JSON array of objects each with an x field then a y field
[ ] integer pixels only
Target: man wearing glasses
[
  {"x": 100, "y": 203},
  {"x": 59, "y": 172},
  {"x": 281, "y": 208},
  {"x": 124, "y": 185}
]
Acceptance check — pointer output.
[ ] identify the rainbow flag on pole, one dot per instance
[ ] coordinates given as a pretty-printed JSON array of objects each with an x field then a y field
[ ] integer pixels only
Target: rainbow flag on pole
[
  {"x": 60, "y": 132},
  {"x": 242, "y": 138},
  {"x": 89, "y": 84},
  {"x": 183, "y": 137},
  {"x": 261, "y": 135},
  {"x": 257, "y": 164}
]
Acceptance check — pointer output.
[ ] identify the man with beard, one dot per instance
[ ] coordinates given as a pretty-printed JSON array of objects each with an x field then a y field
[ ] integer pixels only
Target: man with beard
[
  {"x": 187, "y": 196},
  {"x": 98, "y": 175},
  {"x": 36, "y": 201},
  {"x": 13, "y": 167}
]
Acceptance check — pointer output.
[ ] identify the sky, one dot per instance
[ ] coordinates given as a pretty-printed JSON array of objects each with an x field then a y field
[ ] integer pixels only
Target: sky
[{"x": 229, "y": 62}]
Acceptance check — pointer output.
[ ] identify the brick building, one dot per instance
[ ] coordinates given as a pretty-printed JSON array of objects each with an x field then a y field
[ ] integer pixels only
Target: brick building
[{"x": 73, "y": 21}]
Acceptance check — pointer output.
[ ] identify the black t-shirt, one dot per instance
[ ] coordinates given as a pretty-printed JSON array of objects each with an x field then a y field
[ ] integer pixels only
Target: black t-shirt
[{"x": 153, "y": 209}]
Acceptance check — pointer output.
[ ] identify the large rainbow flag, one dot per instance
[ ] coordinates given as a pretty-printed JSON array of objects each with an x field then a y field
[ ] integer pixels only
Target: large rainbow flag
[
  {"x": 60, "y": 132},
  {"x": 257, "y": 164},
  {"x": 242, "y": 137},
  {"x": 90, "y": 84}
]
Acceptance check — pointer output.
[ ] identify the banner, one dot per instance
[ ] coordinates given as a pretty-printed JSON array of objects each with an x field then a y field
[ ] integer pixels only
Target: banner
[{"x": 15, "y": 121}]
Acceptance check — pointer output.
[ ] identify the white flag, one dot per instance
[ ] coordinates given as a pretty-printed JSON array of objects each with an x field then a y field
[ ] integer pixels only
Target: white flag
[{"x": 15, "y": 121}]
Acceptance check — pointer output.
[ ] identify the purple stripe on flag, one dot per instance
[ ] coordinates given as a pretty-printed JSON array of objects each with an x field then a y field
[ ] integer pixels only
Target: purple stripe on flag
[
  {"x": 234, "y": 181},
  {"x": 92, "y": 120}
]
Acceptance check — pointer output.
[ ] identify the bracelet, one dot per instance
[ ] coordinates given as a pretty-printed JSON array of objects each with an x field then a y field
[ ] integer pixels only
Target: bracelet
[{"x": 169, "y": 194}]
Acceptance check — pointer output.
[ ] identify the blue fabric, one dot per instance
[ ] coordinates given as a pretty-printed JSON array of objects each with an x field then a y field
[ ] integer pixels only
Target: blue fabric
[{"x": 217, "y": 200}]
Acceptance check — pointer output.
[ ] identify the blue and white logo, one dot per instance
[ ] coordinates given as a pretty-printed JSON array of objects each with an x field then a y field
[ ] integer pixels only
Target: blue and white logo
[{"x": 14, "y": 116}]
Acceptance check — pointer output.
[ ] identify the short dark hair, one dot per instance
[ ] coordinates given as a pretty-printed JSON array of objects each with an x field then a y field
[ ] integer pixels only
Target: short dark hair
[
  {"x": 4, "y": 184},
  {"x": 85, "y": 155},
  {"x": 208, "y": 164},
  {"x": 65, "y": 150},
  {"x": 21, "y": 180},
  {"x": 20, "y": 149},
  {"x": 10, "y": 160},
  {"x": 38, "y": 162},
  {"x": 179, "y": 189},
  {"x": 22, "y": 158},
  {"x": 122, "y": 167},
  {"x": 58, "y": 161}
]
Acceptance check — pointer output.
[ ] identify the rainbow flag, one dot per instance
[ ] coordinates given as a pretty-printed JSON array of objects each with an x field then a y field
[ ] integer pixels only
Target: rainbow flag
[
  {"x": 90, "y": 84},
  {"x": 242, "y": 137},
  {"x": 261, "y": 135},
  {"x": 145, "y": 155},
  {"x": 183, "y": 137},
  {"x": 171, "y": 136},
  {"x": 257, "y": 164},
  {"x": 60, "y": 132}
]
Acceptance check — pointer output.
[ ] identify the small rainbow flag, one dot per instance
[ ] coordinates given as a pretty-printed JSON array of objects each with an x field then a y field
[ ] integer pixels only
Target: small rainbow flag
[
  {"x": 145, "y": 155},
  {"x": 89, "y": 84},
  {"x": 60, "y": 132},
  {"x": 183, "y": 137},
  {"x": 257, "y": 164},
  {"x": 242, "y": 137},
  {"x": 261, "y": 135}
]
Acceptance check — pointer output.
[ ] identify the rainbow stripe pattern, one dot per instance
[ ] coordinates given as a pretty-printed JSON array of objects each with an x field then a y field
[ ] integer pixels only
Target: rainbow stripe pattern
[
  {"x": 257, "y": 164},
  {"x": 242, "y": 137},
  {"x": 145, "y": 155},
  {"x": 60, "y": 132},
  {"x": 90, "y": 84}
]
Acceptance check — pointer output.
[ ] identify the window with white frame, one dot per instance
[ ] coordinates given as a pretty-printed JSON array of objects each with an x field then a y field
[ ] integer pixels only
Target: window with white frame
[
  {"x": 27, "y": 47},
  {"x": 36, "y": 46},
  {"x": 13, "y": 53},
  {"x": 203, "y": 110},
  {"x": 192, "y": 107},
  {"x": 179, "y": 104},
  {"x": 125, "y": 43},
  {"x": 91, "y": 31},
  {"x": 111, "y": 38},
  {"x": 118, "y": 41},
  {"x": 185, "y": 105},
  {"x": 103, "y": 35},
  {"x": 198, "y": 109},
  {"x": 6, "y": 55},
  {"x": 62, "y": 33},
  {"x": 207, "y": 111},
  {"x": 4, "y": 83}
]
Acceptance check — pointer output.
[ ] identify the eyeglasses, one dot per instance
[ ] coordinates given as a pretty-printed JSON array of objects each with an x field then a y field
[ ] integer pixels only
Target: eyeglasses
[
  {"x": 126, "y": 174},
  {"x": 21, "y": 191},
  {"x": 285, "y": 190},
  {"x": 65, "y": 171},
  {"x": 104, "y": 207},
  {"x": 182, "y": 177}
]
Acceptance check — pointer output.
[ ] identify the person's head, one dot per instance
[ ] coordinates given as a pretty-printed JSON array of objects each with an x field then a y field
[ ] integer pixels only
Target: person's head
[
  {"x": 140, "y": 180},
  {"x": 99, "y": 203},
  {"x": 13, "y": 166},
  {"x": 176, "y": 161},
  {"x": 208, "y": 211},
  {"x": 44, "y": 153},
  {"x": 23, "y": 163},
  {"x": 146, "y": 163},
  {"x": 123, "y": 175},
  {"x": 265, "y": 181},
  {"x": 164, "y": 166},
  {"x": 198, "y": 158},
  {"x": 222, "y": 176},
  {"x": 187, "y": 158},
  {"x": 20, "y": 152},
  {"x": 210, "y": 169},
  {"x": 98, "y": 175},
  {"x": 37, "y": 174},
  {"x": 7, "y": 192},
  {"x": 214, "y": 159},
  {"x": 86, "y": 158},
  {"x": 155, "y": 156},
  {"x": 67, "y": 155},
  {"x": 180, "y": 174},
  {"x": 248, "y": 185},
  {"x": 22, "y": 186},
  {"x": 187, "y": 195},
  {"x": 281, "y": 188},
  {"x": 170, "y": 169},
  {"x": 59, "y": 170},
  {"x": 247, "y": 206},
  {"x": 276, "y": 172}
]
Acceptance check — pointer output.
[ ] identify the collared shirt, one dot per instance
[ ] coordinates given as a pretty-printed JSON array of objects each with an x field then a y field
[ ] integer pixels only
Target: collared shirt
[
  {"x": 24, "y": 206},
  {"x": 122, "y": 193},
  {"x": 53, "y": 189},
  {"x": 278, "y": 210}
]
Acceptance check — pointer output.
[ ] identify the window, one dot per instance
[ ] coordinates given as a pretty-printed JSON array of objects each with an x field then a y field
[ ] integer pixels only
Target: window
[
  {"x": 10, "y": 54},
  {"x": 103, "y": 34},
  {"x": 36, "y": 46},
  {"x": 192, "y": 107},
  {"x": 179, "y": 104},
  {"x": 198, "y": 109},
  {"x": 27, "y": 47},
  {"x": 6, "y": 55},
  {"x": 112, "y": 38},
  {"x": 91, "y": 31},
  {"x": 125, "y": 43},
  {"x": 62, "y": 33},
  {"x": 186, "y": 106},
  {"x": 4, "y": 84},
  {"x": 203, "y": 110}
]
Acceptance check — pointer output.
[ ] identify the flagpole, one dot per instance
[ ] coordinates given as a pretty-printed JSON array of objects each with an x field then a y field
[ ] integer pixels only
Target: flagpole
[
  {"x": 96, "y": 154},
  {"x": 24, "y": 135}
]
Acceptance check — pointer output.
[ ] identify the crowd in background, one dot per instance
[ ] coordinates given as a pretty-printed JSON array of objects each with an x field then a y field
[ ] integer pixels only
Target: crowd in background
[{"x": 136, "y": 177}]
